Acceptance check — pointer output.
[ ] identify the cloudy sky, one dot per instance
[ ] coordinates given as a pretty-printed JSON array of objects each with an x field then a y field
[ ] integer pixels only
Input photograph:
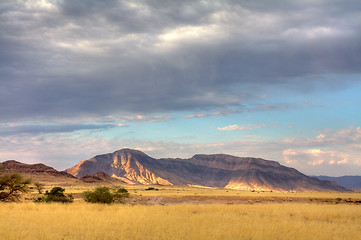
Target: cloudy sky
[{"x": 279, "y": 80}]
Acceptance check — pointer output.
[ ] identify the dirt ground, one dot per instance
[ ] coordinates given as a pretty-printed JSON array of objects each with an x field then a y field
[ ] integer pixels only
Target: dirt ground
[{"x": 166, "y": 200}]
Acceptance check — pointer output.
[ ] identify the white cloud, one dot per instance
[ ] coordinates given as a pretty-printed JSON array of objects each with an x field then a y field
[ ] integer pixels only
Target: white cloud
[
  {"x": 140, "y": 118},
  {"x": 245, "y": 127},
  {"x": 177, "y": 36},
  {"x": 213, "y": 113},
  {"x": 315, "y": 157},
  {"x": 234, "y": 127},
  {"x": 315, "y": 163}
]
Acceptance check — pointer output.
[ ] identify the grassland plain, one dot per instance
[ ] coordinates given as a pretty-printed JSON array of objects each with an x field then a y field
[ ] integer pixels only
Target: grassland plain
[
  {"x": 181, "y": 221},
  {"x": 185, "y": 194}
]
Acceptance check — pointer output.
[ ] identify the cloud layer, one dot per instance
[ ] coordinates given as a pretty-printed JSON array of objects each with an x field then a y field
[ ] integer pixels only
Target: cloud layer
[{"x": 69, "y": 59}]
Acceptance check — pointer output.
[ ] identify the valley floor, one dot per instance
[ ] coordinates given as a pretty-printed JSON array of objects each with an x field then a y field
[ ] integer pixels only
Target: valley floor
[{"x": 168, "y": 195}]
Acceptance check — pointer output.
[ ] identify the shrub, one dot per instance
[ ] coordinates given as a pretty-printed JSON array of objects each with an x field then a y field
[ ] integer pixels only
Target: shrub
[
  {"x": 119, "y": 193},
  {"x": 105, "y": 195},
  {"x": 56, "y": 194},
  {"x": 99, "y": 195}
]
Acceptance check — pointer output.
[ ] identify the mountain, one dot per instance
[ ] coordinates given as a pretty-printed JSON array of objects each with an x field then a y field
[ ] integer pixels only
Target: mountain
[
  {"x": 217, "y": 170},
  {"x": 352, "y": 182},
  {"x": 37, "y": 172}
]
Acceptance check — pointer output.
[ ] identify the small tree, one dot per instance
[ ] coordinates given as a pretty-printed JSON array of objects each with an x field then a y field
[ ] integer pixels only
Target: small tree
[
  {"x": 11, "y": 185},
  {"x": 105, "y": 195},
  {"x": 39, "y": 187},
  {"x": 56, "y": 194}
]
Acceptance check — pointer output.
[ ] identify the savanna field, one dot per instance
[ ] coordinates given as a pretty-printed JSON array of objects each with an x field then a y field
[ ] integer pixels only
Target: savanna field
[
  {"x": 180, "y": 120},
  {"x": 201, "y": 215}
]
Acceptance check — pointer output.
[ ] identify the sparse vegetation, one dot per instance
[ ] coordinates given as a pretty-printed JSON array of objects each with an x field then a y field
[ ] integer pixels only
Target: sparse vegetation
[
  {"x": 56, "y": 194},
  {"x": 106, "y": 195},
  {"x": 39, "y": 186},
  {"x": 12, "y": 185}
]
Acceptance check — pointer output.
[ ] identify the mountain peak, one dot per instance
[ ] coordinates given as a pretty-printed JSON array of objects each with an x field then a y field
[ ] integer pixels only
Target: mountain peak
[{"x": 130, "y": 151}]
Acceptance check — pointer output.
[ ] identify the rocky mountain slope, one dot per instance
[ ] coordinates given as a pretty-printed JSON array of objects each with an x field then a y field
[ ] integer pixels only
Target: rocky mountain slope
[{"x": 218, "y": 170}]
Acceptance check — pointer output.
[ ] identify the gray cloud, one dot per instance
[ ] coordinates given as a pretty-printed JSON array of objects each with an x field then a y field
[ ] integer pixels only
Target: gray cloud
[
  {"x": 95, "y": 58},
  {"x": 51, "y": 128}
]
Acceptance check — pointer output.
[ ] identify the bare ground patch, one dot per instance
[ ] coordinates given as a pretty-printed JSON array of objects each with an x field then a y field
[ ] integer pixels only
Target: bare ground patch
[{"x": 167, "y": 200}]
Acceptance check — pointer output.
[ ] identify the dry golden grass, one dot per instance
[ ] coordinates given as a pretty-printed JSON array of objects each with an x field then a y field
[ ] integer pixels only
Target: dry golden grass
[
  {"x": 191, "y": 191},
  {"x": 213, "y": 221}
]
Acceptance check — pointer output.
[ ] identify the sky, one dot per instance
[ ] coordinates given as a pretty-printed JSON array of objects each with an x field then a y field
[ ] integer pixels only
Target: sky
[{"x": 280, "y": 80}]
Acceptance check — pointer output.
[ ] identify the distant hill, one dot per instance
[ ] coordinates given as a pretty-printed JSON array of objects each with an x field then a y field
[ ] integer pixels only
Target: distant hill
[
  {"x": 38, "y": 172},
  {"x": 217, "y": 170},
  {"x": 15, "y": 166},
  {"x": 352, "y": 182}
]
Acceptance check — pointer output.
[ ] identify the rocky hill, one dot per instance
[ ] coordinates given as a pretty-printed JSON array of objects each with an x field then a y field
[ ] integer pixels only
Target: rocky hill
[
  {"x": 218, "y": 170},
  {"x": 39, "y": 168},
  {"x": 38, "y": 172}
]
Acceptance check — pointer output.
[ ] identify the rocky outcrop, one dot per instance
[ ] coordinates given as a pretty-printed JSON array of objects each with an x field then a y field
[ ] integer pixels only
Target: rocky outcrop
[{"x": 100, "y": 177}]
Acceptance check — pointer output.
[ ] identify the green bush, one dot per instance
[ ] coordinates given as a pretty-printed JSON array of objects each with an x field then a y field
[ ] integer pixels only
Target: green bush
[
  {"x": 119, "y": 193},
  {"x": 106, "y": 195},
  {"x": 56, "y": 194}
]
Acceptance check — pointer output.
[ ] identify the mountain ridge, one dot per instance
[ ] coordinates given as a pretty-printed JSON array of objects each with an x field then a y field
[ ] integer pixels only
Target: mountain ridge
[
  {"x": 214, "y": 170},
  {"x": 37, "y": 168},
  {"x": 348, "y": 181}
]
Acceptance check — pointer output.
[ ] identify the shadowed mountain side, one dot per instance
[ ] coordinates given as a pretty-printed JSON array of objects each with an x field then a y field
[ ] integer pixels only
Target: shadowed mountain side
[
  {"x": 353, "y": 182},
  {"x": 218, "y": 170}
]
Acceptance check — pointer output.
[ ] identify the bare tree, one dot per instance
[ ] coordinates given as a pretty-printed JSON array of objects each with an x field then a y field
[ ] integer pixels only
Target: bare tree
[{"x": 39, "y": 187}]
